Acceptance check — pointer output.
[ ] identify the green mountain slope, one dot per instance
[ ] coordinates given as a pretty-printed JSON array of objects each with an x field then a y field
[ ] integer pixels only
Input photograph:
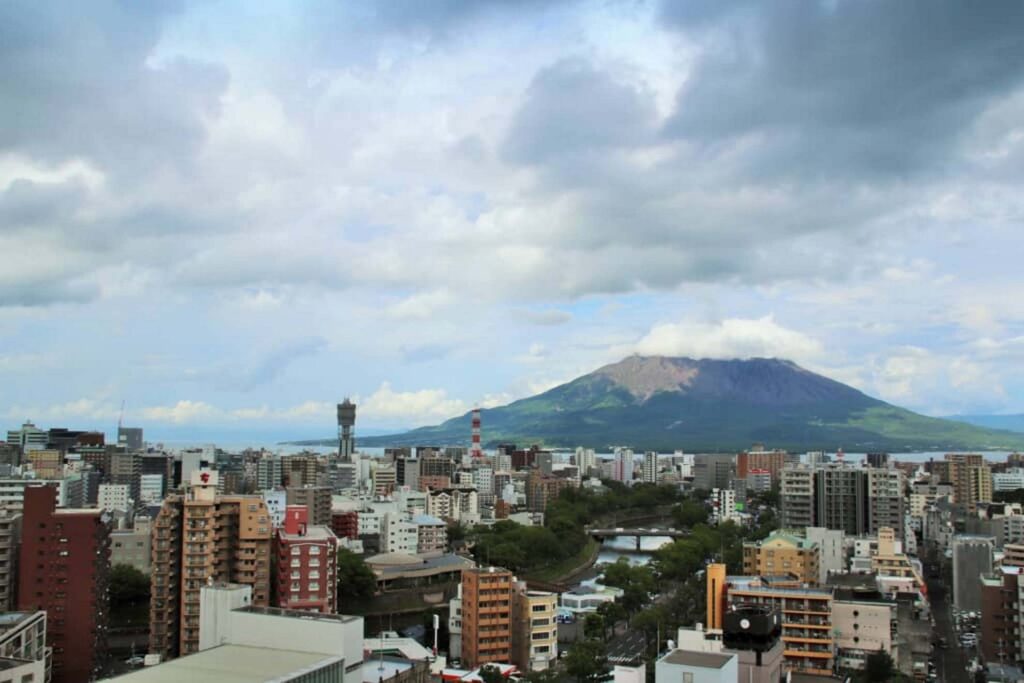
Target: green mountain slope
[{"x": 668, "y": 403}]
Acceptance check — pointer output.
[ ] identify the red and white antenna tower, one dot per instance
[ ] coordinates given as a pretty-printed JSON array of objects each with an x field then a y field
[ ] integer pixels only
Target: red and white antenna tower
[{"x": 475, "y": 449}]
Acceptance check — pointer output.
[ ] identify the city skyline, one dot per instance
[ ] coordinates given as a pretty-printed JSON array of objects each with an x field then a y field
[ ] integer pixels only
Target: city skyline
[{"x": 250, "y": 213}]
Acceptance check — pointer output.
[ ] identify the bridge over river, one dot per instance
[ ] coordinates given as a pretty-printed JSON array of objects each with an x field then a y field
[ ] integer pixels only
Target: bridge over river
[{"x": 637, "y": 533}]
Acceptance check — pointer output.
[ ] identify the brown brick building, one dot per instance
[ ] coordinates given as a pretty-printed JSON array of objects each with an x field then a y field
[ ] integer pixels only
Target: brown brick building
[
  {"x": 305, "y": 564},
  {"x": 65, "y": 569}
]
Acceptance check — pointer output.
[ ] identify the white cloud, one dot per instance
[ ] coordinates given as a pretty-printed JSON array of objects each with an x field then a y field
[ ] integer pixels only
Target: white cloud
[
  {"x": 182, "y": 412},
  {"x": 421, "y": 305},
  {"x": 729, "y": 338},
  {"x": 386, "y": 404}
]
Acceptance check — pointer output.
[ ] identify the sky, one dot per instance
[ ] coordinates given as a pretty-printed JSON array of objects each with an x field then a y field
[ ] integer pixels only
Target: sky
[{"x": 229, "y": 215}]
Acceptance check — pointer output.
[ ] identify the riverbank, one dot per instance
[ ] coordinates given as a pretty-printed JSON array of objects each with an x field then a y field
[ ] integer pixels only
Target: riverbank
[{"x": 566, "y": 570}]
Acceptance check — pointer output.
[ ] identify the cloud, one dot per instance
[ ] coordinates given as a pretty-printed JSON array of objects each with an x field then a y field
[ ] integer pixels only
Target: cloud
[
  {"x": 729, "y": 338},
  {"x": 420, "y": 406},
  {"x": 545, "y": 317},
  {"x": 182, "y": 412},
  {"x": 887, "y": 94}
]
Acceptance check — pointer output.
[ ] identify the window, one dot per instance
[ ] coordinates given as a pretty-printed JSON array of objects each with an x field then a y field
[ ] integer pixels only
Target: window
[
  {"x": 296, "y": 550},
  {"x": 315, "y": 550},
  {"x": 687, "y": 677}
]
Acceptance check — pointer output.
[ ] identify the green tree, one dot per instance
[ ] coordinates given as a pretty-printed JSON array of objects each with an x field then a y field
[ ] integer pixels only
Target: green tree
[
  {"x": 636, "y": 581},
  {"x": 355, "y": 579},
  {"x": 128, "y": 586},
  {"x": 586, "y": 660},
  {"x": 594, "y": 627},
  {"x": 689, "y": 513},
  {"x": 546, "y": 676},
  {"x": 878, "y": 668},
  {"x": 491, "y": 674}
]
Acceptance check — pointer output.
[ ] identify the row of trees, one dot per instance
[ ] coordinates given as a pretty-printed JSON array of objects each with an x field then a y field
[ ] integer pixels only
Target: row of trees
[{"x": 525, "y": 549}]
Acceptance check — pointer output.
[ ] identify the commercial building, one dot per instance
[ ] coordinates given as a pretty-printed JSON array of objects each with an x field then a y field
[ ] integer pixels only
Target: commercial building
[
  {"x": 28, "y": 437},
  {"x": 383, "y": 479},
  {"x": 304, "y": 469},
  {"x": 125, "y": 468},
  {"x": 714, "y": 471},
  {"x": 831, "y": 550},
  {"x": 10, "y": 545},
  {"x": 202, "y": 537},
  {"x": 650, "y": 468},
  {"x": 24, "y": 655},
  {"x": 46, "y": 463},
  {"x": 972, "y": 557},
  {"x": 759, "y": 459},
  {"x": 130, "y": 438},
  {"x": 151, "y": 489},
  {"x": 244, "y": 642},
  {"x": 861, "y": 627},
  {"x": 534, "y": 628},
  {"x": 306, "y": 564},
  {"x": 64, "y": 570},
  {"x": 782, "y": 554},
  {"x": 486, "y": 616}
]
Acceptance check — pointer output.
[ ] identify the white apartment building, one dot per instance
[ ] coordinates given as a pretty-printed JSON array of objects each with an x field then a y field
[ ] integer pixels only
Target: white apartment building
[
  {"x": 398, "y": 535},
  {"x": 113, "y": 497}
]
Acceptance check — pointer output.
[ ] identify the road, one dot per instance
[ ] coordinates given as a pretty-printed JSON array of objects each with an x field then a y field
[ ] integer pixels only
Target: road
[{"x": 949, "y": 663}]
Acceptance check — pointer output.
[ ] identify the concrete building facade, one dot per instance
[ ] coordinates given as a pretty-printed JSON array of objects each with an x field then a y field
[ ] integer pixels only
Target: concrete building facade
[{"x": 486, "y": 616}]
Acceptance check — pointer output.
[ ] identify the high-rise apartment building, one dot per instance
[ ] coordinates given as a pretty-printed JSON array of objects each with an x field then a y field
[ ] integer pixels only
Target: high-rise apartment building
[
  {"x": 856, "y": 500},
  {"x": 10, "y": 544},
  {"x": 306, "y": 569},
  {"x": 622, "y": 466},
  {"x": 64, "y": 568},
  {"x": 971, "y": 477},
  {"x": 125, "y": 469},
  {"x": 1002, "y": 612},
  {"x": 541, "y": 490},
  {"x": 486, "y": 616},
  {"x": 268, "y": 472},
  {"x": 306, "y": 469},
  {"x": 650, "y": 469},
  {"x": 199, "y": 537}
]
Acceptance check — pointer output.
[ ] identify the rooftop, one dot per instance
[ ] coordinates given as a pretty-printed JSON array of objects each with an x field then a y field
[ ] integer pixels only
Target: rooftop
[
  {"x": 231, "y": 664},
  {"x": 705, "y": 660},
  {"x": 427, "y": 520},
  {"x": 297, "y": 614},
  {"x": 313, "y": 533}
]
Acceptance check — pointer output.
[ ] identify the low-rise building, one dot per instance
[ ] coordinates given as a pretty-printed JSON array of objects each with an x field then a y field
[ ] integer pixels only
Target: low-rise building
[
  {"x": 534, "y": 628},
  {"x": 431, "y": 534},
  {"x": 696, "y": 667},
  {"x": 24, "y": 654},
  {"x": 783, "y": 553},
  {"x": 133, "y": 546}
]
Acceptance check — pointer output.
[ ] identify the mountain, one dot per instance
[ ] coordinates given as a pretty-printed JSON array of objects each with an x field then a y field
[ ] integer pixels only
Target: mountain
[
  {"x": 660, "y": 403},
  {"x": 1011, "y": 423}
]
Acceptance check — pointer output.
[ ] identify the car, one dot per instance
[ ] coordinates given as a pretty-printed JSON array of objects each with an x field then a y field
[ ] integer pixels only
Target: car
[
  {"x": 135, "y": 660},
  {"x": 941, "y": 644}
]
